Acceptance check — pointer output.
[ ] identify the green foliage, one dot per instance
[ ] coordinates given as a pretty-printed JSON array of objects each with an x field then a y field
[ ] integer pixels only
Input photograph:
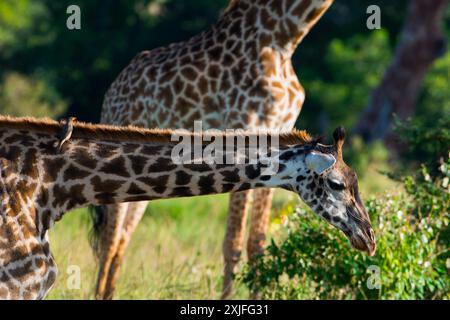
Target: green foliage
[
  {"x": 427, "y": 143},
  {"x": 17, "y": 17},
  {"x": 355, "y": 66},
  {"x": 315, "y": 260},
  {"x": 434, "y": 102},
  {"x": 28, "y": 96}
]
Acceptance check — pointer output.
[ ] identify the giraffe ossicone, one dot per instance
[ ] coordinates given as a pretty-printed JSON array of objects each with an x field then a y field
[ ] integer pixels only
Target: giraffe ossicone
[{"x": 106, "y": 165}]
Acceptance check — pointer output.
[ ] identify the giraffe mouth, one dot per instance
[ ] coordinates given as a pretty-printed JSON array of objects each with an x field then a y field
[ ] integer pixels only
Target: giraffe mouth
[
  {"x": 360, "y": 233},
  {"x": 364, "y": 243}
]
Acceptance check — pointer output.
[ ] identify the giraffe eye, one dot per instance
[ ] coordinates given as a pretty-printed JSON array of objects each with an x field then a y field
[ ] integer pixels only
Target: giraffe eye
[{"x": 336, "y": 185}]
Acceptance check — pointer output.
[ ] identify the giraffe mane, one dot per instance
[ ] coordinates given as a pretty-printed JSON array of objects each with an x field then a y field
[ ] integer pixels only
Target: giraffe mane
[{"x": 131, "y": 133}]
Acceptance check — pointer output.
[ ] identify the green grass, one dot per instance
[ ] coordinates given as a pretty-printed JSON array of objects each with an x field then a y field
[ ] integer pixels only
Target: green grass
[{"x": 175, "y": 253}]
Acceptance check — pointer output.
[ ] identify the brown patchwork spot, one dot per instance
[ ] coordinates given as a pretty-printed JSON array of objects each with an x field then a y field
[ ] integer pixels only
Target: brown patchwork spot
[
  {"x": 301, "y": 7},
  {"x": 151, "y": 150},
  {"x": 130, "y": 147},
  {"x": 182, "y": 178},
  {"x": 181, "y": 192},
  {"x": 154, "y": 182},
  {"x": 206, "y": 184},
  {"x": 314, "y": 14},
  {"x": 82, "y": 157},
  {"x": 106, "y": 186},
  {"x": 74, "y": 173},
  {"x": 104, "y": 151},
  {"x": 52, "y": 167},
  {"x": 138, "y": 163},
  {"x": 244, "y": 186},
  {"x": 162, "y": 165},
  {"x": 30, "y": 164},
  {"x": 116, "y": 166},
  {"x": 227, "y": 187},
  {"x": 135, "y": 190},
  {"x": 46, "y": 220}
]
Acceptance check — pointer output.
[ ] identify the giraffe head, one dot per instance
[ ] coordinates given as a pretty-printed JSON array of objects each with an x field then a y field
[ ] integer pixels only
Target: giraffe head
[{"x": 330, "y": 188}]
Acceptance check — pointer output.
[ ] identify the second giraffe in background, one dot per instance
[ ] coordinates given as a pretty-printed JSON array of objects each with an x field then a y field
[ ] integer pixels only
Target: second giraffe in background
[{"x": 237, "y": 74}]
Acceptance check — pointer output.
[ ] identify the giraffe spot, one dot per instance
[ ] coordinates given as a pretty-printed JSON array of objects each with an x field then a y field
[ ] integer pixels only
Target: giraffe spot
[
  {"x": 134, "y": 189},
  {"x": 227, "y": 187},
  {"x": 311, "y": 186},
  {"x": 105, "y": 186},
  {"x": 29, "y": 167},
  {"x": 190, "y": 93},
  {"x": 319, "y": 192},
  {"x": 162, "y": 165},
  {"x": 182, "y": 178},
  {"x": 336, "y": 219},
  {"x": 203, "y": 85},
  {"x": 206, "y": 184},
  {"x": 23, "y": 138},
  {"x": 244, "y": 186},
  {"x": 230, "y": 176},
  {"x": 181, "y": 192},
  {"x": 82, "y": 157},
  {"x": 52, "y": 166},
  {"x": 252, "y": 172},
  {"x": 46, "y": 219},
  {"x": 300, "y": 9},
  {"x": 137, "y": 163},
  {"x": 155, "y": 182},
  {"x": 42, "y": 198},
  {"x": 115, "y": 166},
  {"x": 178, "y": 85},
  {"x": 104, "y": 151},
  {"x": 137, "y": 198},
  {"x": 22, "y": 272},
  {"x": 77, "y": 199},
  {"x": 215, "y": 53},
  {"x": 267, "y": 20},
  {"x": 315, "y": 13},
  {"x": 202, "y": 167},
  {"x": 74, "y": 173},
  {"x": 151, "y": 150},
  {"x": 189, "y": 73}
]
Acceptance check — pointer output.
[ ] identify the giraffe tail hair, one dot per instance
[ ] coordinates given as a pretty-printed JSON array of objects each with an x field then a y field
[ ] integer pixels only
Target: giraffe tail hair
[{"x": 98, "y": 216}]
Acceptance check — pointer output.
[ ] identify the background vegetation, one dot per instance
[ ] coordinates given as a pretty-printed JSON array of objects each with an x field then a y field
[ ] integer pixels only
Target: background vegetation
[{"x": 47, "y": 70}]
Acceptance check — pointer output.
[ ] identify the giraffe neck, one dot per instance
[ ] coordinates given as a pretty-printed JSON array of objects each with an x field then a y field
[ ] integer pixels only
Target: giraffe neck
[
  {"x": 280, "y": 24},
  {"x": 149, "y": 172},
  {"x": 87, "y": 171}
]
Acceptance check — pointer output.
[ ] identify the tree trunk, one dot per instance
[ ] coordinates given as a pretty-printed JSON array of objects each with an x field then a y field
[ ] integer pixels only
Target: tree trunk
[{"x": 421, "y": 42}]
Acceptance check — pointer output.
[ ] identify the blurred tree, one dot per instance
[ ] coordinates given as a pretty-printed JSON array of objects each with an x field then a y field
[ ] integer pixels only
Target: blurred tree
[
  {"x": 27, "y": 96},
  {"x": 17, "y": 18},
  {"x": 80, "y": 65},
  {"x": 422, "y": 41}
]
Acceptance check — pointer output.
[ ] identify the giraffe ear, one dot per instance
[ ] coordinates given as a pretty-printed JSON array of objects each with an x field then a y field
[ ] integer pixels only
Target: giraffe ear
[
  {"x": 319, "y": 162},
  {"x": 339, "y": 138}
]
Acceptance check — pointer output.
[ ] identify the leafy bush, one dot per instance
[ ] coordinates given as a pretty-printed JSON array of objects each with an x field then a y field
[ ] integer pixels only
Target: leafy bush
[
  {"x": 412, "y": 261},
  {"x": 22, "y": 95}
]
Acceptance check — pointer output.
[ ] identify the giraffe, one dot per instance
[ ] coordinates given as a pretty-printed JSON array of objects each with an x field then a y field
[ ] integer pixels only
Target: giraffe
[
  {"x": 103, "y": 164},
  {"x": 237, "y": 74}
]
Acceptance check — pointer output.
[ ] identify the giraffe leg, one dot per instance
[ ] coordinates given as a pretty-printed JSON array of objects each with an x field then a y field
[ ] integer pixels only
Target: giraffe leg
[
  {"x": 234, "y": 237},
  {"x": 262, "y": 203},
  {"x": 134, "y": 214},
  {"x": 109, "y": 241}
]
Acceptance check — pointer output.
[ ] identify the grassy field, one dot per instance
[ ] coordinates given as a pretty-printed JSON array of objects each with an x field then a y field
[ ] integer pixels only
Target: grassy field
[{"x": 176, "y": 252}]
